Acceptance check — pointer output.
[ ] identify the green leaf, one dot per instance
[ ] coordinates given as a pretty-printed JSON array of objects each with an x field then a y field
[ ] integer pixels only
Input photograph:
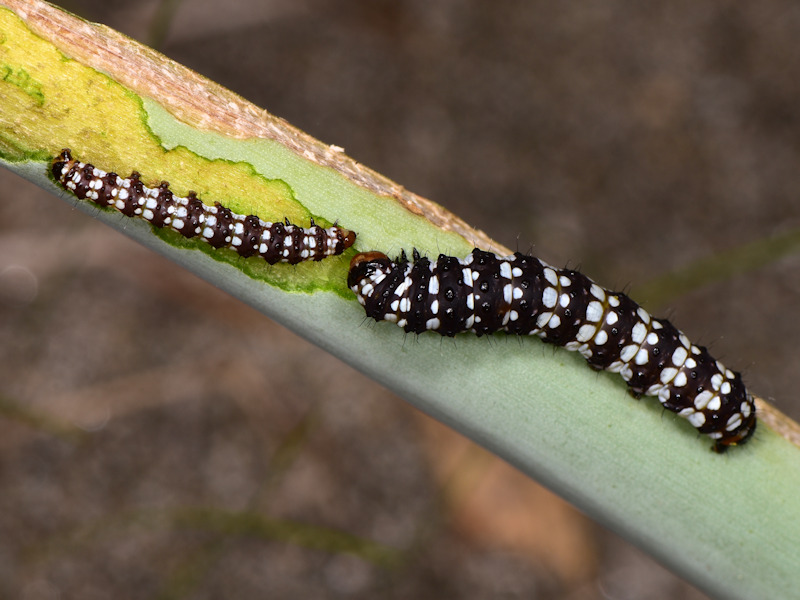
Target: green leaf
[{"x": 728, "y": 523}]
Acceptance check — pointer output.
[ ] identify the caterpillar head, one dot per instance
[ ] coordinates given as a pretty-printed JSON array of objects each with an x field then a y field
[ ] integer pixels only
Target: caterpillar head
[{"x": 365, "y": 269}]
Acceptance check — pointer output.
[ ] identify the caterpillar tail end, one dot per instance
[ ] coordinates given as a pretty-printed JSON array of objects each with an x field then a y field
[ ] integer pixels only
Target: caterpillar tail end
[
  {"x": 741, "y": 435},
  {"x": 59, "y": 162}
]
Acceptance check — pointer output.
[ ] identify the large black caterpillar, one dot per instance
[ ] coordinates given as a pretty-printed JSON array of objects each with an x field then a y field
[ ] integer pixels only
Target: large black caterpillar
[
  {"x": 217, "y": 225},
  {"x": 520, "y": 294}
]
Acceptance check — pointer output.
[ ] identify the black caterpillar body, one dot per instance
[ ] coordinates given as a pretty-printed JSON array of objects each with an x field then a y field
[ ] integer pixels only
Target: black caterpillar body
[
  {"x": 217, "y": 225},
  {"x": 520, "y": 294}
]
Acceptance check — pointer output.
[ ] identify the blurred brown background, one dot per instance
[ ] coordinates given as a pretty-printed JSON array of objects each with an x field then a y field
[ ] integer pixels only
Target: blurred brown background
[{"x": 628, "y": 138}]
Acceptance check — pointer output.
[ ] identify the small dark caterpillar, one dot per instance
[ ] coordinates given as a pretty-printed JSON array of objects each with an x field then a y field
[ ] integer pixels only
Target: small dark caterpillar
[
  {"x": 217, "y": 225},
  {"x": 519, "y": 294}
]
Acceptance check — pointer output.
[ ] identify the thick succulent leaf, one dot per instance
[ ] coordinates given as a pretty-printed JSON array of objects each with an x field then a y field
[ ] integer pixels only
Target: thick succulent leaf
[{"x": 729, "y": 523}]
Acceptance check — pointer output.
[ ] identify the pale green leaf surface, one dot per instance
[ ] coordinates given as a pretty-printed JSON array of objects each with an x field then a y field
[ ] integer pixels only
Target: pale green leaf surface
[{"x": 729, "y": 523}]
